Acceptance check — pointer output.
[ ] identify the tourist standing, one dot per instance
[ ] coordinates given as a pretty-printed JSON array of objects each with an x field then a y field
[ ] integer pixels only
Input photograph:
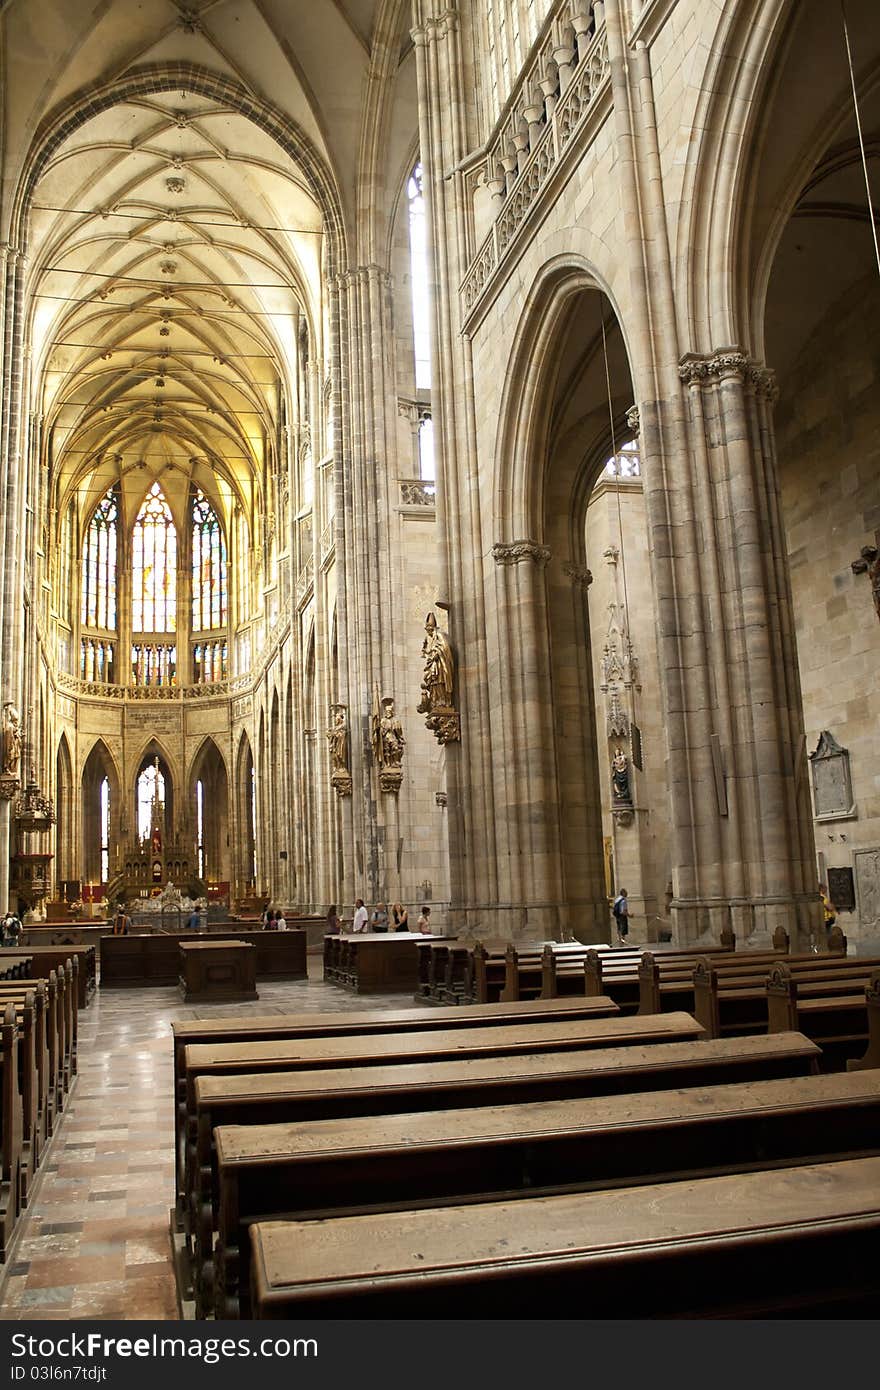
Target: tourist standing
[
  {"x": 400, "y": 917},
  {"x": 121, "y": 922},
  {"x": 379, "y": 919},
  {"x": 360, "y": 916},
  {"x": 620, "y": 908},
  {"x": 423, "y": 923},
  {"x": 280, "y": 920},
  {"x": 331, "y": 926}
]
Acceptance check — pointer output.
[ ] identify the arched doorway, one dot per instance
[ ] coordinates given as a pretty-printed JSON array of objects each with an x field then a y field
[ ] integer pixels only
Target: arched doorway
[
  {"x": 568, "y": 392},
  {"x": 100, "y": 816},
  {"x": 209, "y": 801}
]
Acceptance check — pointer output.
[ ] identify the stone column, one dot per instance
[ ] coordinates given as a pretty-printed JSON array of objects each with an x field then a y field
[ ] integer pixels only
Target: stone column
[
  {"x": 366, "y": 461},
  {"x": 479, "y": 876},
  {"x": 748, "y": 791}
]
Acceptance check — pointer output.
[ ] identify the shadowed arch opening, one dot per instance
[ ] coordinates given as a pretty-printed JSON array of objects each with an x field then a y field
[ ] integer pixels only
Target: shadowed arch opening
[
  {"x": 569, "y": 389},
  {"x": 209, "y": 803}
]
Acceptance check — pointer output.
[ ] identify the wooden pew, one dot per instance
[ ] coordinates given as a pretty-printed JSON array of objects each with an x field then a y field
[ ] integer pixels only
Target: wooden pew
[
  {"x": 446, "y": 1157},
  {"x": 10, "y": 1128},
  {"x": 560, "y": 977},
  {"x": 367, "y": 1023},
  {"x": 738, "y": 1003},
  {"x": 405, "y": 1049},
  {"x": 833, "y": 1012},
  {"x": 385, "y": 1090},
  {"x": 46, "y": 958},
  {"x": 871, "y": 1055},
  {"x": 802, "y": 1241},
  {"x": 29, "y": 1003}
]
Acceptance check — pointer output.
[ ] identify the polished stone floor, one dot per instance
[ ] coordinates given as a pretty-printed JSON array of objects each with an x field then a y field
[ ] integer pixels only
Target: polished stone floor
[{"x": 94, "y": 1241}]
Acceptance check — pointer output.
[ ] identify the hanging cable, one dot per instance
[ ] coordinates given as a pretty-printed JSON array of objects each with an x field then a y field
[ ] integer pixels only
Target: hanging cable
[{"x": 852, "y": 77}]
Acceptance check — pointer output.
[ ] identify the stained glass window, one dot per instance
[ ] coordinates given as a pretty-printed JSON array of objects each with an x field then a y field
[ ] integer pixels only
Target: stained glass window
[
  {"x": 208, "y": 566},
  {"x": 105, "y": 830},
  {"x": 150, "y": 786},
  {"x": 154, "y": 566},
  {"x": 242, "y": 559},
  {"x": 99, "y": 565},
  {"x": 418, "y": 257},
  {"x": 65, "y": 564}
]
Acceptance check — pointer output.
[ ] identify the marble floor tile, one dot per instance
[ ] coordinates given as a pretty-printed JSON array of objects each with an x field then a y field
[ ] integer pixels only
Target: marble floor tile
[{"x": 94, "y": 1241}]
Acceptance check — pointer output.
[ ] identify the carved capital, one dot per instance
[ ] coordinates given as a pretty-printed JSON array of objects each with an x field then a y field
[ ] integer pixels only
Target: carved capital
[
  {"x": 341, "y": 782},
  {"x": 578, "y": 574},
  {"x": 633, "y": 421},
  {"x": 390, "y": 779},
  {"x": 9, "y": 787},
  {"x": 516, "y": 551},
  {"x": 727, "y": 364},
  {"x": 444, "y": 724}
]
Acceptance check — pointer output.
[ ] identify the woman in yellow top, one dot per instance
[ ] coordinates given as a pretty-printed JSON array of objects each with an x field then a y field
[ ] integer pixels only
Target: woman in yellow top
[{"x": 828, "y": 909}]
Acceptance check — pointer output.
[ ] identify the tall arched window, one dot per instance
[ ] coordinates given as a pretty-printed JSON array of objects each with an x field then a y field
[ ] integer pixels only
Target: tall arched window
[
  {"x": 418, "y": 256},
  {"x": 208, "y": 566},
  {"x": 99, "y": 565},
  {"x": 105, "y": 830},
  {"x": 65, "y": 561},
  {"x": 154, "y": 566},
  {"x": 150, "y": 797}
]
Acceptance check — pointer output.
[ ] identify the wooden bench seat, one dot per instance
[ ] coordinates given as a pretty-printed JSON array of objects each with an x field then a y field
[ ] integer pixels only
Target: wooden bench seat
[
  {"x": 226, "y": 1059},
  {"x": 366, "y": 1023},
  {"x": 562, "y": 977},
  {"x": 11, "y": 1138},
  {"x": 659, "y": 990},
  {"x": 422, "y": 1160},
  {"x": 802, "y": 1240},
  {"x": 305, "y": 1096},
  {"x": 834, "y": 1011},
  {"x": 738, "y": 1004},
  {"x": 30, "y": 1019},
  {"x": 60, "y": 1059}
]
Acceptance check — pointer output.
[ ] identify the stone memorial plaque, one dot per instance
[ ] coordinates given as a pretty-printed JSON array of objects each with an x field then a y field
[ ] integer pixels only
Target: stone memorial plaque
[
  {"x": 842, "y": 889},
  {"x": 867, "y": 862},
  {"x": 832, "y": 786}
]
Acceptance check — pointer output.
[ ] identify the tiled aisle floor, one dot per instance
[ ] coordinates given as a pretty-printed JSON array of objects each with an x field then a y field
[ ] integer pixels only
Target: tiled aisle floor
[{"x": 94, "y": 1242}]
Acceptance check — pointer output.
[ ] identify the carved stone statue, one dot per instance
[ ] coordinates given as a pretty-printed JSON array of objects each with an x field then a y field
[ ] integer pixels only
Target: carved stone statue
[
  {"x": 393, "y": 741},
  {"x": 388, "y": 744},
  {"x": 869, "y": 563},
  {"x": 620, "y": 777},
  {"x": 337, "y": 738},
  {"x": 11, "y": 740},
  {"x": 437, "y": 684}
]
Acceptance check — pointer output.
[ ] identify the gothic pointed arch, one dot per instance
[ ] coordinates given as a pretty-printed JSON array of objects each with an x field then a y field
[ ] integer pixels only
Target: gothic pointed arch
[
  {"x": 65, "y": 810},
  {"x": 210, "y": 815}
]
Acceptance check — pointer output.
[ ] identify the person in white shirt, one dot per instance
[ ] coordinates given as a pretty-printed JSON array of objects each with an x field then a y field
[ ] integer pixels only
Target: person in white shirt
[
  {"x": 360, "y": 916},
  {"x": 280, "y": 922}
]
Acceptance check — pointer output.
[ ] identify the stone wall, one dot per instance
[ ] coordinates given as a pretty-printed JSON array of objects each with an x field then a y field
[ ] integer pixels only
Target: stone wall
[{"x": 828, "y": 423}]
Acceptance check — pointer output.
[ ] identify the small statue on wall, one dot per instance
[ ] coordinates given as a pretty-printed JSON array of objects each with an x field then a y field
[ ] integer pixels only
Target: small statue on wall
[
  {"x": 388, "y": 743},
  {"x": 337, "y": 738},
  {"x": 11, "y": 740},
  {"x": 869, "y": 563},
  {"x": 620, "y": 778},
  {"x": 437, "y": 684}
]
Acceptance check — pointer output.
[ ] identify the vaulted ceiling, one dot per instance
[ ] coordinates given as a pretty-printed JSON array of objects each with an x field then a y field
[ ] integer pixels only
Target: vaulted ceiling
[{"x": 176, "y": 248}]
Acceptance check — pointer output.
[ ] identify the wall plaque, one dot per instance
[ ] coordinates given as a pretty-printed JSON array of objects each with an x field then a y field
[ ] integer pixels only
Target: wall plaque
[
  {"x": 832, "y": 784},
  {"x": 867, "y": 862},
  {"x": 842, "y": 889}
]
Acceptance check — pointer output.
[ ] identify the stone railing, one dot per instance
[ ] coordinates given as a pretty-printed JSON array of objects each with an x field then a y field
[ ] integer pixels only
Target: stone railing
[
  {"x": 305, "y": 580},
  {"x": 538, "y": 125},
  {"x": 327, "y": 542},
  {"x": 103, "y": 690},
  {"x": 415, "y": 493}
]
